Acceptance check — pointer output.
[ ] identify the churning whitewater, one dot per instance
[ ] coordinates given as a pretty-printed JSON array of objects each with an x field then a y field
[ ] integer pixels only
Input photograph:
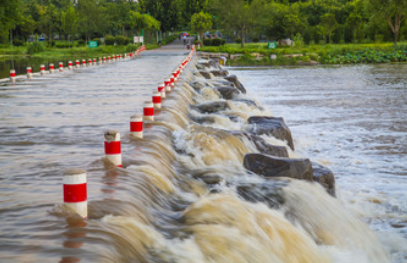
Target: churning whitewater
[
  {"x": 193, "y": 200},
  {"x": 216, "y": 179}
]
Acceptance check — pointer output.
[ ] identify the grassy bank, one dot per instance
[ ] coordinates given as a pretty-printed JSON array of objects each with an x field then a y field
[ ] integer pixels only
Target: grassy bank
[{"x": 259, "y": 54}]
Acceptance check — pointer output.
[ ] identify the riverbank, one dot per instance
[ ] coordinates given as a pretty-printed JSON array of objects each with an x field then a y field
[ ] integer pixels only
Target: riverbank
[{"x": 258, "y": 54}]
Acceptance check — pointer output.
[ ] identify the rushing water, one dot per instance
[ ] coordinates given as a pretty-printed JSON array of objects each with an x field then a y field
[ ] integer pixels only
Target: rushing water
[
  {"x": 354, "y": 120},
  {"x": 158, "y": 208}
]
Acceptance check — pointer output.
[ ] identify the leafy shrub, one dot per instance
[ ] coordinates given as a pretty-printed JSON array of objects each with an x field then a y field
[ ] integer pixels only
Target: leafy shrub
[
  {"x": 18, "y": 43},
  {"x": 255, "y": 39},
  {"x": 223, "y": 42},
  {"x": 80, "y": 42},
  {"x": 238, "y": 40},
  {"x": 62, "y": 45},
  {"x": 51, "y": 43},
  {"x": 97, "y": 40},
  {"x": 216, "y": 42},
  {"x": 207, "y": 42},
  {"x": 109, "y": 40},
  {"x": 131, "y": 48},
  {"x": 35, "y": 47},
  {"x": 121, "y": 40}
]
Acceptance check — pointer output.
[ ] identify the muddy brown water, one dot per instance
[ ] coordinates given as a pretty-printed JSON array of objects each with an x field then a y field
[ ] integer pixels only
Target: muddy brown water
[{"x": 154, "y": 210}]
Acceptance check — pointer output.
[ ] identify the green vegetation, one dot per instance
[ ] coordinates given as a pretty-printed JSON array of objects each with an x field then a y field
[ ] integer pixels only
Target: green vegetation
[
  {"x": 201, "y": 22},
  {"x": 259, "y": 54}
]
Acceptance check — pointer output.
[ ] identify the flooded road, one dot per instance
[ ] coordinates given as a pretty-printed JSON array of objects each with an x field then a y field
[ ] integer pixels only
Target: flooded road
[{"x": 177, "y": 198}]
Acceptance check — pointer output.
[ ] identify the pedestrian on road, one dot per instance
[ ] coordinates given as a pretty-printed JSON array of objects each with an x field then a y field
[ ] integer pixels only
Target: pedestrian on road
[{"x": 185, "y": 39}]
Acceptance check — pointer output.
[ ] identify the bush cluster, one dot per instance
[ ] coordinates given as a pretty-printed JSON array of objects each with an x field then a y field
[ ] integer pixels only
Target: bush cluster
[
  {"x": 109, "y": 40},
  {"x": 35, "y": 47},
  {"x": 97, "y": 40},
  {"x": 18, "y": 43},
  {"x": 215, "y": 42},
  {"x": 80, "y": 42}
]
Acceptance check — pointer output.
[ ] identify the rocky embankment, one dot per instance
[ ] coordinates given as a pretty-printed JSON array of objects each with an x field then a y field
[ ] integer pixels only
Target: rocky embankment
[{"x": 271, "y": 162}]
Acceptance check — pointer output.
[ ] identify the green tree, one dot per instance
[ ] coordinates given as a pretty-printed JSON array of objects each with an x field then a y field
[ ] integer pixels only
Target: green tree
[
  {"x": 393, "y": 11},
  {"x": 93, "y": 18},
  {"x": 238, "y": 15},
  {"x": 200, "y": 22},
  {"x": 9, "y": 16},
  {"x": 48, "y": 20},
  {"x": 355, "y": 22},
  {"x": 69, "y": 22},
  {"x": 328, "y": 25}
]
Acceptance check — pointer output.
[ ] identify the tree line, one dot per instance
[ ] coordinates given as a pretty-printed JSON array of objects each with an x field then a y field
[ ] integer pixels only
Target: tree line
[{"x": 311, "y": 21}]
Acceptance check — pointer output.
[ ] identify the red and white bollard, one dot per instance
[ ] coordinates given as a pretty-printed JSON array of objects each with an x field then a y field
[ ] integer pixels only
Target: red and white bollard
[
  {"x": 157, "y": 99},
  {"x": 167, "y": 83},
  {"x": 84, "y": 63},
  {"x": 75, "y": 191},
  {"x": 172, "y": 81},
  {"x": 12, "y": 75},
  {"x": 108, "y": 58},
  {"x": 113, "y": 58},
  {"x": 42, "y": 69},
  {"x": 100, "y": 61},
  {"x": 29, "y": 72},
  {"x": 90, "y": 62},
  {"x": 61, "y": 66},
  {"x": 121, "y": 56},
  {"x": 78, "y": 64},
  {"x": 70, "y": 66},
  {"x": 161, "y": 89},
  {"x": 148, "y": 111},
  {"x": 136, "y": 126},
  {"x": 95, "y": 62},
  {"x": 113, "y": 149},
  {"x": 104, "y": 60},
  {"x": 51, "y": 68}
]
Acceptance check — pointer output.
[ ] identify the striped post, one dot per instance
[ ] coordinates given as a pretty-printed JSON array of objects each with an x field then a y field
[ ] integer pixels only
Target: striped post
[
  {"x": 113, "y": 57},
  {"x": 113, "y": 147},
  {"x": 108, "y": 58},
  {"x": 75, "y": 191},
  {"x": 61, "y": 66},
  {"x": 148, "y": 111},
  {"x": 70, "y": 66},
  {"x": 84, "y": 63},
  {"x": 167, "y": 83},
  {"x": 90, "y": 62},
  {"x": 51, "y": 68},
  {"x": 104, "y": 60},
  {"x": 161, "y": 89},
  {"x": 12, "y": 75},
  {"x": 94, "y": 62},
  {"x": 100, "y": 61},
  {"x": 136, "y": 126},
  {"x": 42, "y": 69},
  {"x": 29, "y": 72},
  {"x": 172, "y": 81},
  {"x": 78, "y": 64},
  {"x": 156, "y": 99}
]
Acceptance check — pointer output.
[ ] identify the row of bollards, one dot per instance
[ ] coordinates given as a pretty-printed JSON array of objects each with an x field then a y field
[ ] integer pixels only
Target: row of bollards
[
  {"x": 74, "y": 180},
  {"x": 85, "y": 63}
]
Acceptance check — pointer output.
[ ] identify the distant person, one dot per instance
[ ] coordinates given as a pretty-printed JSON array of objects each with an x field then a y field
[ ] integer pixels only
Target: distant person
[{"x": 184, "y": 38}]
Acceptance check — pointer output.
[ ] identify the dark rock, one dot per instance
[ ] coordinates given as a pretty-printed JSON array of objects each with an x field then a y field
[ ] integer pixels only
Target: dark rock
[
  {"x": 270, "y": 192},
  {"x": 205, "y": 74},
  {"x": 250, "y": 103},
  {"x": 197, "y": 85},
  {"x": 202, "y": 64},
  {"x": 220, "y": 73},
  {"x": 211, "y": 107},
  {"x": 266, "y": 148},
  {"x": 261, "y": 145},
  {"x": 237, "y": 83},
  {"x": 211, "y": 178},
  {"x": 325, "y": 177},
  {"x": 270, "y": 166},
  {"x": 202, "y": 119},
  {"x": 228, "y": 93},
  {"x": 272, "y": 126}
]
